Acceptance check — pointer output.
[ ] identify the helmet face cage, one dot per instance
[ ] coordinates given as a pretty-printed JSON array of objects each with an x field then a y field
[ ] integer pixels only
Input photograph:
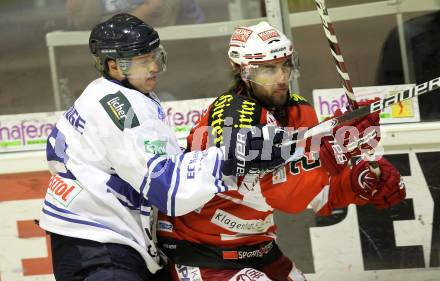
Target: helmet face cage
[
  {"x": 271, "y": 73},
  {"x": 154, "y": 62}
]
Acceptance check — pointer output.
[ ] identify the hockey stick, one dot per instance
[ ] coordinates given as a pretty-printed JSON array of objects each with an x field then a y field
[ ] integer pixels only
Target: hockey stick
[
  {"x": 327, "y": 126},
  {"x": 335, "y": 49},
  {"x": 341, "y": 67}
]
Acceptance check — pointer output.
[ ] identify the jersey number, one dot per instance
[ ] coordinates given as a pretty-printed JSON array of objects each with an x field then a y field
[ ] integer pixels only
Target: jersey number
[{"x": 306, "y": 163}]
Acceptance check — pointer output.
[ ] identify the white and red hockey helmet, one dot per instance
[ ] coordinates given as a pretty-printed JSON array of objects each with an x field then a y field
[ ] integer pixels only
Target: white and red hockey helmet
[{"x": 258, "y": 43}]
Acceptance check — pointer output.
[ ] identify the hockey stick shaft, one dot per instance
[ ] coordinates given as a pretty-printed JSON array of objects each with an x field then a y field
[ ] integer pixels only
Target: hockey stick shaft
[
  {"x": 336, "y": 52},
  {"x": 341, "y": 67},
  {"x": 327, "y": 126}
]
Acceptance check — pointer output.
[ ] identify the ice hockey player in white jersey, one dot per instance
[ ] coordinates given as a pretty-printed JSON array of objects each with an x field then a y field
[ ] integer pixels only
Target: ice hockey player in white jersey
[{"x": 113, "y": 158}]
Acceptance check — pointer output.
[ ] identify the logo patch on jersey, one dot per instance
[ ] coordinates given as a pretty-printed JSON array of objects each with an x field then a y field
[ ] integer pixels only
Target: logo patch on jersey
[
  {"x": 156, "y": 147},
  {"x": 250, "y": 274},
  {"x": 249, "y": 254},
  {"x": 279, "y": 175},
  {"x": 63, "y": 190},
  {"x": 164, "y": 226},
  {"x": 232, "y": 223},
  {"x": 188, "y": 273},
  {"x": 120, "y": 111},
  {"x": 270, "y": 120}
]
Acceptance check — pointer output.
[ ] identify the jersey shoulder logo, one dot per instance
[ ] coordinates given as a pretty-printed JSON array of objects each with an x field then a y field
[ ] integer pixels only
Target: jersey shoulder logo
[{"x": 120, "y": 110}]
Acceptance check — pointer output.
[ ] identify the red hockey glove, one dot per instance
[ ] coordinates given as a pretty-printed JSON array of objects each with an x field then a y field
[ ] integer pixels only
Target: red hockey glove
[
  {"x": 349, "y": 140},
  {"x": 382, "y": 191}
]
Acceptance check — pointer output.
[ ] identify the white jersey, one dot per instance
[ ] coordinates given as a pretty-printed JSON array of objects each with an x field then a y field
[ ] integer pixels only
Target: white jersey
[{"x": 113, "y": 158}]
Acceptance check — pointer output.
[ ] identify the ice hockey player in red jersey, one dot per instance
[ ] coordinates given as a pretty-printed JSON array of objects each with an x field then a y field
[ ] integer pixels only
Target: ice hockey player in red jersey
[{"x": 233, "y": 236}]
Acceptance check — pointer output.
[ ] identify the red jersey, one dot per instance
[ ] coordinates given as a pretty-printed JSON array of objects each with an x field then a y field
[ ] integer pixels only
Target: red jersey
[{"x": 245, "y": 217}]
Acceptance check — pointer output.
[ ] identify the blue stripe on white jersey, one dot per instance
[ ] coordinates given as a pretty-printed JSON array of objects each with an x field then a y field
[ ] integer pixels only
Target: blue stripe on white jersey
[
  {"x": 146, "y": 207},
  {"x": 63, "y": 216},
  {"x": 217, "y": 173},
  {"x": 124, "y": 191},
  {"x": 49, "y": 213},
  {"x": 160, "y": 182},
  {"x": 127, "y": 205},
  {"x": 176, "y": 186}
]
